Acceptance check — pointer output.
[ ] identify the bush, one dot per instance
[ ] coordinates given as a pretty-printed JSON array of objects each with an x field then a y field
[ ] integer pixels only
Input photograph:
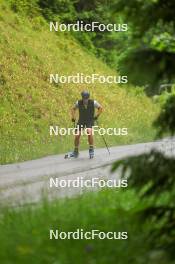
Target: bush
[
  {"x": 62, "y": 9},
  {"x": 152, "y": 176},
  {"x": 166, "y": 120},
  {"x": 26, "y": 7}
]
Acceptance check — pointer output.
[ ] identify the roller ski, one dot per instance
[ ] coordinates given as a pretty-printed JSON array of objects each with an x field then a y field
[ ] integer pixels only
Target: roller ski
[
  {"x": 91, "y": 153},
  {"x": 70, "y": 155}
]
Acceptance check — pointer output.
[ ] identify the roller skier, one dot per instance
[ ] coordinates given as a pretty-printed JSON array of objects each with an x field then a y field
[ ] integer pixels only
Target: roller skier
[{"x": 89, "y": 111}]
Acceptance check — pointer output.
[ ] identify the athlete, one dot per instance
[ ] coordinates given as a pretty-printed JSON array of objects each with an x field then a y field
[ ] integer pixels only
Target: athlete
[{"x": 87, "y": 115}]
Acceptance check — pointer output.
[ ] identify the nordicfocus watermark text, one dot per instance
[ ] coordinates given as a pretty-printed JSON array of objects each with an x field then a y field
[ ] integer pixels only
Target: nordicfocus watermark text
[
  {"x": 110, "y": 131},
  {"x": 80, "y": 182},
  {"x": 80, "y": 234},
  {"x": 88, "y": 79},
  {"x": 88, "y": 27}
]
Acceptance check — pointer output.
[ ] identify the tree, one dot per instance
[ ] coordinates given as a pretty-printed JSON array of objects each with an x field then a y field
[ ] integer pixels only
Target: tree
[
  {"x": 151, "y": 60},
  {"x": 151, "y": 57}
]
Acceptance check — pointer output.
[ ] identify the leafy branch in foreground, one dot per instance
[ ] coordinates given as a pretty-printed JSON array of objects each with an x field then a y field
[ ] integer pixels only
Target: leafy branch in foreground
[
  {"x": 166, "y": 120},
  {"x": 153, "y": 175},
  {"x": 148, "y": 168}
]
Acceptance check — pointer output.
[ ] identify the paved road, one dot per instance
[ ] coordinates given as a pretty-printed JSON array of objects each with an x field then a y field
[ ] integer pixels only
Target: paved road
[{"x": 29, "y": 181}]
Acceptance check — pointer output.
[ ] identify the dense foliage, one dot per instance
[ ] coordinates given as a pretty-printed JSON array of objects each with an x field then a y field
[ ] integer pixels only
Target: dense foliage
[
  {"x": 166, "y": 119},
  {"x": 108, "y": 46},
  {"x": 151, "y": 59},
  {"x": 153, "y": 177},
  {"x": 146, "y": 52}
]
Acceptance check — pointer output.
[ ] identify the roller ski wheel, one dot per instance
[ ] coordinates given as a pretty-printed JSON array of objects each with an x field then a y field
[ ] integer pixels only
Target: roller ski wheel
[
  {"x": 91, "y": 153},
  {"x": 71, "y": 155}
]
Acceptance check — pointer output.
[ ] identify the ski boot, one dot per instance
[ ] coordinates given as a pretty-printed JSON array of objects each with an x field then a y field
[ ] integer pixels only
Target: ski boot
[
  {"x": 91, "y": 152},
  {"x": 73, "y": 154}
]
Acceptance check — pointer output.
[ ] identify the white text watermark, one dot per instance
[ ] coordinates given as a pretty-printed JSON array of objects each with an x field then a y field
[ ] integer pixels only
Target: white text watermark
[
  {"x": 88, "y": 27},
  {"x": 87, "y": 79},
  {"x": 81, "y": 234},
  {"x": 110, "y": 131},
  {"x": 80, "y": 182}
]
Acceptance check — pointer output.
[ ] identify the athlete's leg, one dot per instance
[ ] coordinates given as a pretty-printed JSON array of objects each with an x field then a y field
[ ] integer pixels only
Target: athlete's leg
[
  {"x": 91, "y": 142},
  {"x": 90, "y": 137},
  {"x": 77, "y": 138}
]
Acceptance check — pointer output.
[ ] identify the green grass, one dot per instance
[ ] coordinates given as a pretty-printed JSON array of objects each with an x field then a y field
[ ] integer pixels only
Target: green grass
[
  {"x": 29, "y": 104},
  {"x": 25, "y": 232}
]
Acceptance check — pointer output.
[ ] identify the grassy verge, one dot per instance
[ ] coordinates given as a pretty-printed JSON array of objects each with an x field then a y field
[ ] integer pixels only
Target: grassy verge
[
  {"x": 25, "y": 232},
  {"x": 29, "y": 104}
]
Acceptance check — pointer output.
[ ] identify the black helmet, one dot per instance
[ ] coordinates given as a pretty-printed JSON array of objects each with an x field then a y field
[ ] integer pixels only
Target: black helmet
[{"x": 85, "y": 95}]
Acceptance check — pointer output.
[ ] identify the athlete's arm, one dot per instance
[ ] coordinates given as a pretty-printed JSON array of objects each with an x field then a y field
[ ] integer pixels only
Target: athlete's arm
[
  {"x": 99, "y": 108},
  {"x": 99, "y": 111}
]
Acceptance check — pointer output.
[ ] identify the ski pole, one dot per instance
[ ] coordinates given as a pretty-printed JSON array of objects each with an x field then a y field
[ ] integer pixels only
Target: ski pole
[{"x": 104, "y": 141}]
